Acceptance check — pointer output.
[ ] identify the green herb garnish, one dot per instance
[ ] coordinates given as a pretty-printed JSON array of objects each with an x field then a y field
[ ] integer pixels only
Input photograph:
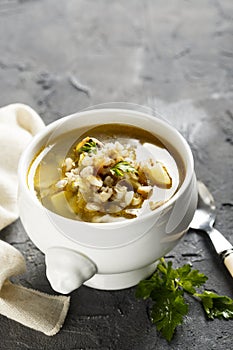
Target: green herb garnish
[
  {"x": 122, "y": 167},
  {"x": 216, "y": 305},
  {"x": 167, "y": 287},
  {"x": 89, "y": 146}
]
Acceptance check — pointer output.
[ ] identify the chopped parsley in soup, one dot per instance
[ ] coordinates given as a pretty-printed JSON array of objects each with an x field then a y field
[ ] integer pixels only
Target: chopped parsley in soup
[{"x": 110, "y": 172}]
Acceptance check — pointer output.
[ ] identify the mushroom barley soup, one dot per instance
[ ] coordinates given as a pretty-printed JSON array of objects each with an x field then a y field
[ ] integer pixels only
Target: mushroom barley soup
[{"x": 111, "y": 172}]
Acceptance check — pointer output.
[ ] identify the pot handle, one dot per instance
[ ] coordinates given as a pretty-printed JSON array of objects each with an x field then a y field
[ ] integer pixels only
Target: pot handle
[{"x": 67, "y": 269}]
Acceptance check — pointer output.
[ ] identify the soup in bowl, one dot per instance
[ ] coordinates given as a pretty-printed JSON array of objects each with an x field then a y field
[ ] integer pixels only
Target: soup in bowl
[{"x": 104, "y": 194}]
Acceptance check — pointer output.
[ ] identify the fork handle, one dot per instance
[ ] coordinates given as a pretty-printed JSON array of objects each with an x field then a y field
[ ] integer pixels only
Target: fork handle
[
  {"x": 223, "y": 247},
  {"x": 227, "y": 257}
]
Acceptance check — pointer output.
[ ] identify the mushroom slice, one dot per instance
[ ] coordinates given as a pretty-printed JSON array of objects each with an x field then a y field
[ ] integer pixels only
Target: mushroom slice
[
  {"x": 105, "y": 218},
  {"x": 159, "y": 176},
  {"x": 113, "y": 208},
  {"x": 105, "y": 194},
  {"x": 136, "y": 201},
  {"x": 92, "y": 207},
  {"x": 95, "y": 181},
  {"x": 145, "y": 191},
  {"x": 61, "y": 183},
  {"x": 155, "y": 204}
]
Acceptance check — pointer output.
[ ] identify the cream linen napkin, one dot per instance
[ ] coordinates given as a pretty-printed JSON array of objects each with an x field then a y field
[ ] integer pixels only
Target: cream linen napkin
[{"x": 37, "y": 310}]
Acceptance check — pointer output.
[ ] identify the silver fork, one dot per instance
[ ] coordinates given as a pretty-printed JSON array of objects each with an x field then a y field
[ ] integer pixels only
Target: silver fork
[{"x": 204, "y": 219}]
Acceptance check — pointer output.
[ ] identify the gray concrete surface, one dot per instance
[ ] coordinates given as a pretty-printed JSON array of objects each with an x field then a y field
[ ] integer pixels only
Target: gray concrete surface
[{"x": 176, "y": 56}]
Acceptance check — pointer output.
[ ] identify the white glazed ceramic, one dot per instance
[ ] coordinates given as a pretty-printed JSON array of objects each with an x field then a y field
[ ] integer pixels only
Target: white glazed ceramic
[{"x": 105, "y": 255}]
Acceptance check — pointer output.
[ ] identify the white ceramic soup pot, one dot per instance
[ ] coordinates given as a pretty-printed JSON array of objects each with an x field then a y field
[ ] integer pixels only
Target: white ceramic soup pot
[{"x": 112, "y": 255}]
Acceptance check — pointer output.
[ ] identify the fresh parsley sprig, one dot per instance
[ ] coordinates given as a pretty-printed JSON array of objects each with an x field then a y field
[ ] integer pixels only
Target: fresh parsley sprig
[
  {"x": 89, "y": 146},
  {"x": 122, "y": 167},
  {"x": 216, "y": 306},
  {"x": 167, "y": 287}
]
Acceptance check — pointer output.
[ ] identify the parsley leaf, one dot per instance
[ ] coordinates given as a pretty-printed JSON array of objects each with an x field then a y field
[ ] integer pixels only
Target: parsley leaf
[
  {"x": 145, "y": 288},
  {"x": 122, "y": 167},
  {"x": 216, "y": 305},
  {"x": 188, "y": 278},
  {"x": 168, "y": 310},
  {"x": 89, "y": 146},
  {"x": 169, "y": 306},
  {"x": 167, "y": 286}
]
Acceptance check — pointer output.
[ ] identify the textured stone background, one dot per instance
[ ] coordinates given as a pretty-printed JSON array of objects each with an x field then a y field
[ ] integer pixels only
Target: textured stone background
[{"x": 176, "y": 56}]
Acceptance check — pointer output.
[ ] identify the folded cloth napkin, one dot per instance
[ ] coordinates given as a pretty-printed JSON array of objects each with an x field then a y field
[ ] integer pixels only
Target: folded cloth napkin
[{"x": 37, "y": 310}]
